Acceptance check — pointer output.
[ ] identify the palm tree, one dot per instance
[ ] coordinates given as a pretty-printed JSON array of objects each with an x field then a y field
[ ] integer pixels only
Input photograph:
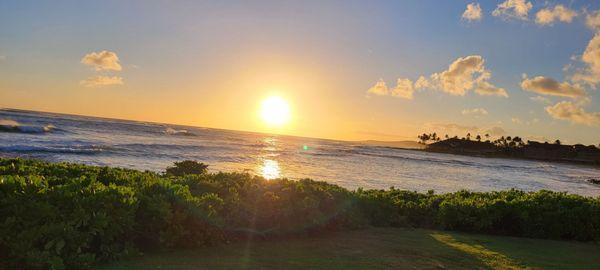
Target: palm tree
[
  {"x": 557, "y": 142},
  {"x": 518, "y": 141},
  {"x": 446, "y": 136},
  {"x": 424, "y": 138},
  {"x": 487, "y": 136},
  {"x": 468, "y": 136},
  {"x": 478, "y": 137}
]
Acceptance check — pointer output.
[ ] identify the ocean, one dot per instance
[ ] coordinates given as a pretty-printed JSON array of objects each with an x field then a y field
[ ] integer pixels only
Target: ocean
[{"x": 155, "y": 146}]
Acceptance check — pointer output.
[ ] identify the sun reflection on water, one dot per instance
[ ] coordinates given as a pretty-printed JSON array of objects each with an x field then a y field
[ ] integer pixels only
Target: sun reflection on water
[{"x": 270, "y": 169}]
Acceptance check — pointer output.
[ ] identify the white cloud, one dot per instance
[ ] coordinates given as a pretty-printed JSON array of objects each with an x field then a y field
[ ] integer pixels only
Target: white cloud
[
  {"x": 458, "y": 78},
  {"x": 422, "y": 83},
  {"x": 476, "y": 112},
  {"x": 516, "y": 120},
  {"x": 548, "y": 86},
  {"x": 569, "y": 111},
  {"x": 547, "y": 16},
  {"x": 590, "y": 74},
  {"x": 592, "y": 20},
  {"x": 513, "y": 9},
  {"x": 464, "y": 74},
  {"x": 103, "y": 60},
  {"x": 404, "y": 89},
  {"x": 379, "y": 89},
  {"x": 485, "y": 88},
  {"x": 99, "y": 81},
  {"x": 473, "y": 12}
]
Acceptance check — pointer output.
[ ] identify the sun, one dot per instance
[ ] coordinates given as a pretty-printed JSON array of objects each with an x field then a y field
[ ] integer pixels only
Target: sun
[{"x": 275, "y": 111}]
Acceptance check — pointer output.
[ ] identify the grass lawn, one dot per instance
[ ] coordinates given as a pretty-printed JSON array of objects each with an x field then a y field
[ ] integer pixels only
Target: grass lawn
[{"x": 379, "y": 248}]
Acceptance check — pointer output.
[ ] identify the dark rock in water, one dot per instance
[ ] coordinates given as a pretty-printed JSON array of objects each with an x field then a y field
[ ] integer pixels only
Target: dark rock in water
[
  {"x": 9, "y": 128},
  {"x": 594, "y": 181}
]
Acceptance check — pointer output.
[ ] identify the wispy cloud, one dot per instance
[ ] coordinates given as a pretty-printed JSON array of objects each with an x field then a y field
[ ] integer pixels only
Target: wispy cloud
[
  {"x": 476, "y": 112},
  {"x": 472, "y": 12},
  {"x": 541, "y": 99},
  {"x": 513, "y": 9},
  {"x": 99, "y": 81},
  {"x": 103, "y": 60}
]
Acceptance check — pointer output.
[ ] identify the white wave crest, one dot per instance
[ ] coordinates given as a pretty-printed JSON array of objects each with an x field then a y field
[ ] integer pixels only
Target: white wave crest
[
  {"x": 172, "y": 131},
  {"x": 8, "y": 125}
]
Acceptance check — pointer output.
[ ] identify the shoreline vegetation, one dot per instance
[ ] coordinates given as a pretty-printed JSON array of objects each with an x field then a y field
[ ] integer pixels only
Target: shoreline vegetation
[
  {"x": 510, "y": 147},
  {"x": 73, "y": 216}
]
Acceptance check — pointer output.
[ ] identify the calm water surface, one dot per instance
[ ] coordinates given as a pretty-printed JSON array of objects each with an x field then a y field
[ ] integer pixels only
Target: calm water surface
[{"x": 151, "y": 146}]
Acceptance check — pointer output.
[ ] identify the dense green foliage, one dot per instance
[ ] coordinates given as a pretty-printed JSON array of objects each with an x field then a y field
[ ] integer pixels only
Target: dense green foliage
[{"x": 57, "y": 216}]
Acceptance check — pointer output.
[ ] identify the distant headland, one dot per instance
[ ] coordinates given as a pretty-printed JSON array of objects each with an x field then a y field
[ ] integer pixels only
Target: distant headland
[{"x": 511, "y": 147}]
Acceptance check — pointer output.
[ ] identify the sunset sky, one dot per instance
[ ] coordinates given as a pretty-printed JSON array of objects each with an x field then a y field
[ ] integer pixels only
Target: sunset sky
[{"x": 350, "y": 70}]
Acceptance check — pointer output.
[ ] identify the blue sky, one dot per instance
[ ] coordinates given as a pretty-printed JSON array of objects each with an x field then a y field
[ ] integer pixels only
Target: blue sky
[{"x": 209, "y": 63}]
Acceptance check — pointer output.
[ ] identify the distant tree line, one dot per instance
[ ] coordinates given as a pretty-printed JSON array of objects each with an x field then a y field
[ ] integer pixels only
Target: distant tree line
[{"x": 503, "y": 142}]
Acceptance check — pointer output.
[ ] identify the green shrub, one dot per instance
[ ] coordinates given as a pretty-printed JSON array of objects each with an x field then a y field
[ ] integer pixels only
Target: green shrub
[
  {"x": 71, "y": 216},
  {"x": 187, "y": 167}
]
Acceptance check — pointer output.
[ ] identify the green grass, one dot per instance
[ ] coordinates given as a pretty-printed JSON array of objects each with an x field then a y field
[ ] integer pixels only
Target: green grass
[{"x": 378, "y": 248}]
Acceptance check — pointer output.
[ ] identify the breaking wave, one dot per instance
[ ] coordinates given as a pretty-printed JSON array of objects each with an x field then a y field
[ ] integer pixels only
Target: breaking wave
[
  {"x": 179, "y": 132},
  {"x": 7, "y": 125}
]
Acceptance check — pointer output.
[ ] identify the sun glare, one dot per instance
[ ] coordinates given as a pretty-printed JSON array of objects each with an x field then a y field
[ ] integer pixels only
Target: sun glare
[{"x": 275, "y": 111}]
